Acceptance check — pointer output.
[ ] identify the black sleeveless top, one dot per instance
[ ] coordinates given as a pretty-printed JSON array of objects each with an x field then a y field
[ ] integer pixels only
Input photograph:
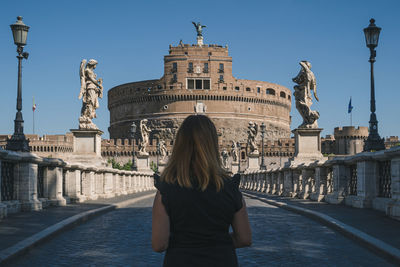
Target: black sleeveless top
[{"x": 199, "y": 223}]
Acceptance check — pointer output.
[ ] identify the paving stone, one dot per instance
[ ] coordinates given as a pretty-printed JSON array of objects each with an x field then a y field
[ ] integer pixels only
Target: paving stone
[{"x": 123, "y": 238}]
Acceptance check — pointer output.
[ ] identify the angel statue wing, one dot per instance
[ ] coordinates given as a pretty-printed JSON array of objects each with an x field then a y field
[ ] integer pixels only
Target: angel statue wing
[
  {"x": 256, "y": 128},
  {"x": 313, "y": 85},
  {"x": 82, "y": 76}
]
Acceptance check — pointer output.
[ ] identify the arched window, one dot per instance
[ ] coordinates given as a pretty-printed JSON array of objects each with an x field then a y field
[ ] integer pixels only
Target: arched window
[
  {"x": 270, "y": 91},
  {"x": 282, "y": 94}
]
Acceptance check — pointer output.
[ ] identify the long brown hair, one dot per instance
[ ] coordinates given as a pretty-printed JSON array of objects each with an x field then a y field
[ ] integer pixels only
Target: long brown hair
[{"x": 195, "y": 157}]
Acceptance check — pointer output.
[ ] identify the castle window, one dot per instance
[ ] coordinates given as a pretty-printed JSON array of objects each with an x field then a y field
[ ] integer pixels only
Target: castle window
[
  {"x": 221, "y": 78},
  {"x": 175, "y": 78},
  {"x": 248, "y": 89},
  {"x": 224, "y": 88},
  {"x": 243, "y": 155},
  {"x": 199, "y": 84},
  {"x": 190, "y": 84},
  {"x": 283, "y": 95},
  {"x": 237, "y": 88},
  {"x": 270, "y": 91},
  {"x": 138, "y": 89},
  {"x": 206, "y": 84},
  {"x": 288, "y": 97},
  {"x": 209, "y": 53},
  {"x": 221, "y": 67},
  {"x": 171, "y": 87},
  {"x": 205, "y": 70},
  {"x": 258, "y": 89},
  {"x": 174, "y": 67},
  {"x": 190, "y": 67},
  {"x": 186, "y": 53}
]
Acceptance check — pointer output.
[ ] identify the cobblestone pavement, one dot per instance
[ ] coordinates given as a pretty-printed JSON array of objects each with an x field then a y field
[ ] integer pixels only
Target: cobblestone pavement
[{"x": 122, "y": 238}]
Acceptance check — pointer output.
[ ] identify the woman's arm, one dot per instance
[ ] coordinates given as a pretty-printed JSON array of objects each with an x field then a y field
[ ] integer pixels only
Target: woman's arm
[
  {"x": 160, "y": 225},
  {"x": 241, "y": 235}
]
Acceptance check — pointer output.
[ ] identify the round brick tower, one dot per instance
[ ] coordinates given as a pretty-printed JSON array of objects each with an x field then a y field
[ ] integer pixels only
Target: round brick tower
[{"x": 198, "y": 79}]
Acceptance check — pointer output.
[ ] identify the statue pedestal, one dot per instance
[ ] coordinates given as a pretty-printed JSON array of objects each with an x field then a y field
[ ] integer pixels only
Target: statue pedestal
[
  {"x": 142, "y": 162},
  {"x": 235, "y": 167},
  {"x": 87, "y": 147},
  {"x": 200, "y": 40},
  {"x": 307, "y": 145},
  {"x": 253, "y": 162}
]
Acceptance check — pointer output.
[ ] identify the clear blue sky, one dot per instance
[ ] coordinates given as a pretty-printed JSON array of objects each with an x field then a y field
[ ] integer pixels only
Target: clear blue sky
[{"x": 266, "y": 39}]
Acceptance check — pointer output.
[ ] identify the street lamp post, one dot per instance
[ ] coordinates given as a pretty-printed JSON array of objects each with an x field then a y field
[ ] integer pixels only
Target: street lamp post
[
  {"x": 133, "y": 132},
  {"x": 240, "y": 155},
  {"x": 262, "y": 167},
  {"x": 373, "y": 142},
  {"x": 18, "y": 142}
]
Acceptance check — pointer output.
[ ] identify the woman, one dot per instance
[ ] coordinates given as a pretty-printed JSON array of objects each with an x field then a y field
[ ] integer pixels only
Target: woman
[{"x": 197, "y": 202}]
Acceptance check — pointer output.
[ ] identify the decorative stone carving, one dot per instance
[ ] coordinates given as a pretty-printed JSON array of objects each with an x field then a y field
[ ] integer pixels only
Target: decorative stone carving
[
  {"x": 302, "y": 92},
  {"x": 225, "y": 156},
  {"x": 200, "y": 107},
  {"x": 144, "y": 135},
  {"x": 234, "y": 151},
  {"x": 91, "y": 90},
  {"x": 252, "y": 131},
  {"x": 162, "y": 150}
]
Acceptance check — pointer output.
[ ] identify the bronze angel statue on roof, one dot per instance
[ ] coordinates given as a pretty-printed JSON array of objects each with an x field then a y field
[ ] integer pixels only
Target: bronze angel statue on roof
[
  {"x": 91, "y": 90},
  {"x": 199, "y": 28},
  {"x": 306, "y": 83}
]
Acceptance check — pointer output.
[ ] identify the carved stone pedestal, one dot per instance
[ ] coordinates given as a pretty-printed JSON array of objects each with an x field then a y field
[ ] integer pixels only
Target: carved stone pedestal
[
  {"x": 307, "y": 144},
  {"x": 87, "y": 147},
  {"x": 235, "y": 167},
  {"x": 253, "y": 162},
  {"x": 143, "y": 163}
]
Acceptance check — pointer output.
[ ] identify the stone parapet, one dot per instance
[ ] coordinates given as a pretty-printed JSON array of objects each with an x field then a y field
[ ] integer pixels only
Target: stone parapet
[
  {"x": 30, "y": 182},
  {"x": 364, "y": 180}
]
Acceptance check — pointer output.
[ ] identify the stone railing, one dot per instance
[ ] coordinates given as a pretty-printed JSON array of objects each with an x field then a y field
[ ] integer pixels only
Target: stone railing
[
  {"x": 29, "y": 182},
  {"x": 365, "y": 180}
]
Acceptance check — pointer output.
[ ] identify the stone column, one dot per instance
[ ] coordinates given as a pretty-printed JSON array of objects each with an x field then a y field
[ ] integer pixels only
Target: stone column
[
  {"x": 73, "y": 184},
  {"x": 99, "y": 183},
  {"x": 53, "y": 185},
  {"x": 108, "y": 184},
  {"x": 367, "y": 181},
  {"x": 341, "y": 176},
  {"x": 287, "y": 183},
  {"x": 320, "y": 184},
  {"x": 296, "y": 183},
  {"x": 3, "y": 207},
  {"x": 273, "y": 182},
  {"x": 393, "y": 208},
  {"x": 280, "y": 182},
  {"x": 307, "y": 175},
  {"x": 88, "y": 184},
  {"x": 123, "y": 183}
]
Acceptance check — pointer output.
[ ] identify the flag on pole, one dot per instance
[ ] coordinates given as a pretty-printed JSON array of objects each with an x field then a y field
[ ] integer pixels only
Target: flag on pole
[
  {"x": 33, "y": 104},
  {"x": 350, "y": 108}
]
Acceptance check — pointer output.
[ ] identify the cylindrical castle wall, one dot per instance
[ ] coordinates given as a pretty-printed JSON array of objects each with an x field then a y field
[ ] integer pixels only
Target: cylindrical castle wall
[{"x": 231, "y": 111}]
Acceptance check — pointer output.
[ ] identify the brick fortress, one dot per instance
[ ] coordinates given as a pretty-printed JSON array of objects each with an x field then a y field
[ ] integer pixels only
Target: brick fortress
[{"x": 198, "y": 79}]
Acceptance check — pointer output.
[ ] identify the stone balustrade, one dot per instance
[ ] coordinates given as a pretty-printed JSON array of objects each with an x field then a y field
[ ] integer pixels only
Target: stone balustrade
[
  {"x": 364, "y": 180},
  {"x": 29, "y": 182}
]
